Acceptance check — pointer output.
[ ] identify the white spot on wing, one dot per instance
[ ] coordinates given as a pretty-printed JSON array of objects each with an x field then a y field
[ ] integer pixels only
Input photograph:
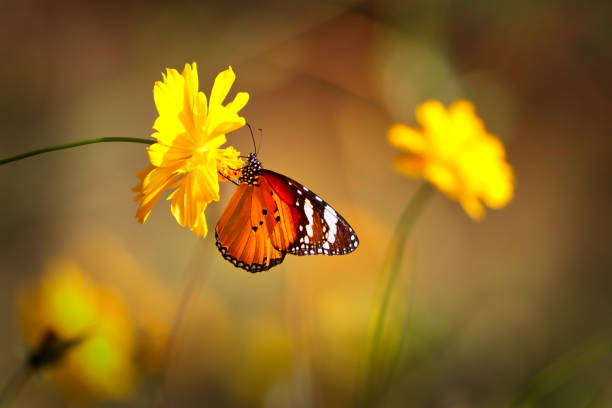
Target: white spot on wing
[
  {"x": 331, "y": 219},
  {"x": 309, "y": 211}
]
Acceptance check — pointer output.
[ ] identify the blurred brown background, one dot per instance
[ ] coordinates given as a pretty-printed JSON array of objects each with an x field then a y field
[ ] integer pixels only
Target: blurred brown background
[{"x": 493, "y": 303}]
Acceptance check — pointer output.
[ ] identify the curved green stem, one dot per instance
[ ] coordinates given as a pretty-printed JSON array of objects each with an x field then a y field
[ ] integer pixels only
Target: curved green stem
[
  {"x": 393, "y": 260},
  {"x": 75, "y": 144},
  {"x": 564, "y": 368},
  {"x": 15, "y": 383}
]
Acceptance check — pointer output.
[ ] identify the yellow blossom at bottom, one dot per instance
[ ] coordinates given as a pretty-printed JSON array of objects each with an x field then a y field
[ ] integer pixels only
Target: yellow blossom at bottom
[
  {"x": 69, "y": 307},
  {"x": 455, "y": 153}
]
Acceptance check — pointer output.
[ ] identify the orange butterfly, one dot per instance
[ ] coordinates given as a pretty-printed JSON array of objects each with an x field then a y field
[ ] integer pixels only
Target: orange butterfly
[{"x": 271, "y": 215}]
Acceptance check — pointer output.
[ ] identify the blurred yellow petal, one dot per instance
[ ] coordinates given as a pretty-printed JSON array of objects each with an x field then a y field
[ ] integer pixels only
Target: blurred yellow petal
[
  {"x": 432, "y": 116},
  {"x": 104, "y": 370},
  {"x": 405, "y": 138},
  {"x": 441, "y": 177},
  {"x": 473, "y": 207}
]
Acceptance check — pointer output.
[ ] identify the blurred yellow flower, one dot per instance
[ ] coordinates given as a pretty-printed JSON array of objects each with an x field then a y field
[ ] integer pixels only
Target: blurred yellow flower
[
  {"x": 454, "y": 152},
  {"x": 90, "y": 327},
  {"x": 187, "y": 156}
]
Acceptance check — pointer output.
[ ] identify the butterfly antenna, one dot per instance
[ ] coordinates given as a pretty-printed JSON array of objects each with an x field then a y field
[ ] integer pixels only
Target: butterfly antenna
[
  {"x": 260, "y": 139},
  {"x": 252, "y": 138}
]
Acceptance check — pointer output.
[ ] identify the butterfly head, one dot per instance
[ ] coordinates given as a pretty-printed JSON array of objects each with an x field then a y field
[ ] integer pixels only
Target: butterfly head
[{"x": 250, "y": 171}]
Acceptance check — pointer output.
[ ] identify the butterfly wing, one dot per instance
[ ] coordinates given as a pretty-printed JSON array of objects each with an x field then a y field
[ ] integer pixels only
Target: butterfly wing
[
  {"x": 303, "y": 223},
  {"x": 242, "y": 233}
]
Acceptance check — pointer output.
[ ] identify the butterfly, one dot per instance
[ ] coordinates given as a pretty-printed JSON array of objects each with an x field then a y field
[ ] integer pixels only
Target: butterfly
[{"x": 271, "y": 215}]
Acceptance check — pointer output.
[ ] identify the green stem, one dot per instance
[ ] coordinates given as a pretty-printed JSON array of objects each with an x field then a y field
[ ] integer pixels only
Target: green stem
[
  {"x": 75, "y": 144},
  {"x": 393, "y": 260},
  {"x": 399, "y": 348},
  {"x": 563, "y": 369},
  {"x": 15, "y": 384}
]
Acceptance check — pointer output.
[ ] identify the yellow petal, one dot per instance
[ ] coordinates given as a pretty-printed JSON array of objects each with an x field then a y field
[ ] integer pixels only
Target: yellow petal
[
  {"x": 221, "y": 87},
  {"x": 190, "y": 73},
  {"x": 201, "y": 111},
  {"x": 151, "y": 187},
  {"x": 432, "y": 115},
  {"x": 171, "y": 157},
  {"x": 442, "y": 177},
  {"x": 68, "y": 300},
  {"x": 466, "y": 125},
  {"x": 169, "y": 94},
  {"x": 168, "y": 128},
  {"x": 103, "y": 367},
  {"x": 186, "y": 210},
  {"x": 223, "y": 121},
  {"x": 200, "y": 228},
  {"x": 500, "y": 188},
  {"x": 206, "y": 181},
  {"x": 462, "y": 108},
  {"x": 239, "y": 102},
  {"x": 472, "y": 207},
  {"x": 406, "y": 138},
  {"x": 180, "y": 202},
  {"x": 215, "y": 142}
]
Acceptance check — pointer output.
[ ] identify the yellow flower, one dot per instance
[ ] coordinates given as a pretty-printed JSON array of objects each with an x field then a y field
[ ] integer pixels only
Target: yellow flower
[
  {"x": 86, "y": 331},
  {"x": 454, "y": 152},
  {"x": 187, "y": 156}
]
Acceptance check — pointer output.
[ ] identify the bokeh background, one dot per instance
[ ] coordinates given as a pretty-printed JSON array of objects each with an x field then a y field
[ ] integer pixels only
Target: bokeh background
[{"x": 512, "y": 311}]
